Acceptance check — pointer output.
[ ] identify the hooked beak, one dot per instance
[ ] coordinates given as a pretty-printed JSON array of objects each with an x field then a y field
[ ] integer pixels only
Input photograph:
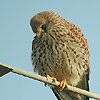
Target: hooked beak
[{"x": 38, "y": 33}]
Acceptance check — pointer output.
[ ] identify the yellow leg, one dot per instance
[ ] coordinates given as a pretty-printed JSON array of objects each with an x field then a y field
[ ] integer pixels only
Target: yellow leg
[
  {"x": 52, "y": 78},
  {"x": 63, "y": 84}
]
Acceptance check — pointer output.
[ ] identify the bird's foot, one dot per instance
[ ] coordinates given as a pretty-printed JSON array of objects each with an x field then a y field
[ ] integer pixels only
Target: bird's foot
[
  {"x": 63, "y": 84},
  {"x": 52, "y": 78}
]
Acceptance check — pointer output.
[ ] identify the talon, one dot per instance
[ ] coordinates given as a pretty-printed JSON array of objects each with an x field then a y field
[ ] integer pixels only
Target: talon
[
  {"x": 45, "y": 84},
  {"x": 63, "y": 84},
  {"x": 52, "y": 78}
]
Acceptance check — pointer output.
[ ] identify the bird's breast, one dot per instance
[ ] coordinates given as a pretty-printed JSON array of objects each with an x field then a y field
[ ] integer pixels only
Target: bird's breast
[{"x": 57, "y": 59}]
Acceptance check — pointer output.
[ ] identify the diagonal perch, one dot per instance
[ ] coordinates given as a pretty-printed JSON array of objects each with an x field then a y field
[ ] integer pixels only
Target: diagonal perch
[{"x": 4, "y": 69}]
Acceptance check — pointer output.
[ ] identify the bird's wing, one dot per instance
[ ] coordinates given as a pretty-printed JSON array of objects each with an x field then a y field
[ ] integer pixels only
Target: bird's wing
[
  {"x": 79, "y": 37},
  {"x": 76, "y": 34},
  {"x": 84, "y": 84}
]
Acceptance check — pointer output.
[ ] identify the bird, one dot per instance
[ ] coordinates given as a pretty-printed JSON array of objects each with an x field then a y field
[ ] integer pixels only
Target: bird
[{"x": 60, "y": 51}]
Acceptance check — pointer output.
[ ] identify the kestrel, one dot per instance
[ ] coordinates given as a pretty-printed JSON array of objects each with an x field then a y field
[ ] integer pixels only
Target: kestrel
[{"x": 60, "y": 50}]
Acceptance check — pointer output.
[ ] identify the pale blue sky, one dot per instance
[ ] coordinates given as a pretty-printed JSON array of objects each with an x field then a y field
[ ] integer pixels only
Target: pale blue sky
[{"x": 16, "y": 37}]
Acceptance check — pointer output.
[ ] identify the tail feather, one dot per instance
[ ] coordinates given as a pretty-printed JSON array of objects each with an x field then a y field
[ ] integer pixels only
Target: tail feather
[
  {"x": 85, "y": 86},
  {"x": 61, "y": 95}
]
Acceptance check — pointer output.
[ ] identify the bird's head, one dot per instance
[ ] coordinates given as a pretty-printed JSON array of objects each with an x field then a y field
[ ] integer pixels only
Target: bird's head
[{"x": 44, "y": 22}]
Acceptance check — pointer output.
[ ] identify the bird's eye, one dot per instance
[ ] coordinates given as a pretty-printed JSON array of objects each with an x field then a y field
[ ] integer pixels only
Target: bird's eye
[{"x": 44, "y": 27}]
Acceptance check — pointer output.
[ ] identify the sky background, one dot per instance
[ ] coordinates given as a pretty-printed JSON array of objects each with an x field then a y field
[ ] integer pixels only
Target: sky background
[{"x": 16, "y": 37}]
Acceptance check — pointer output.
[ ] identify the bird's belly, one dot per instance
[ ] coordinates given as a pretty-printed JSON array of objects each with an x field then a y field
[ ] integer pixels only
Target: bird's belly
[{"x": 58, "y": 65}]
